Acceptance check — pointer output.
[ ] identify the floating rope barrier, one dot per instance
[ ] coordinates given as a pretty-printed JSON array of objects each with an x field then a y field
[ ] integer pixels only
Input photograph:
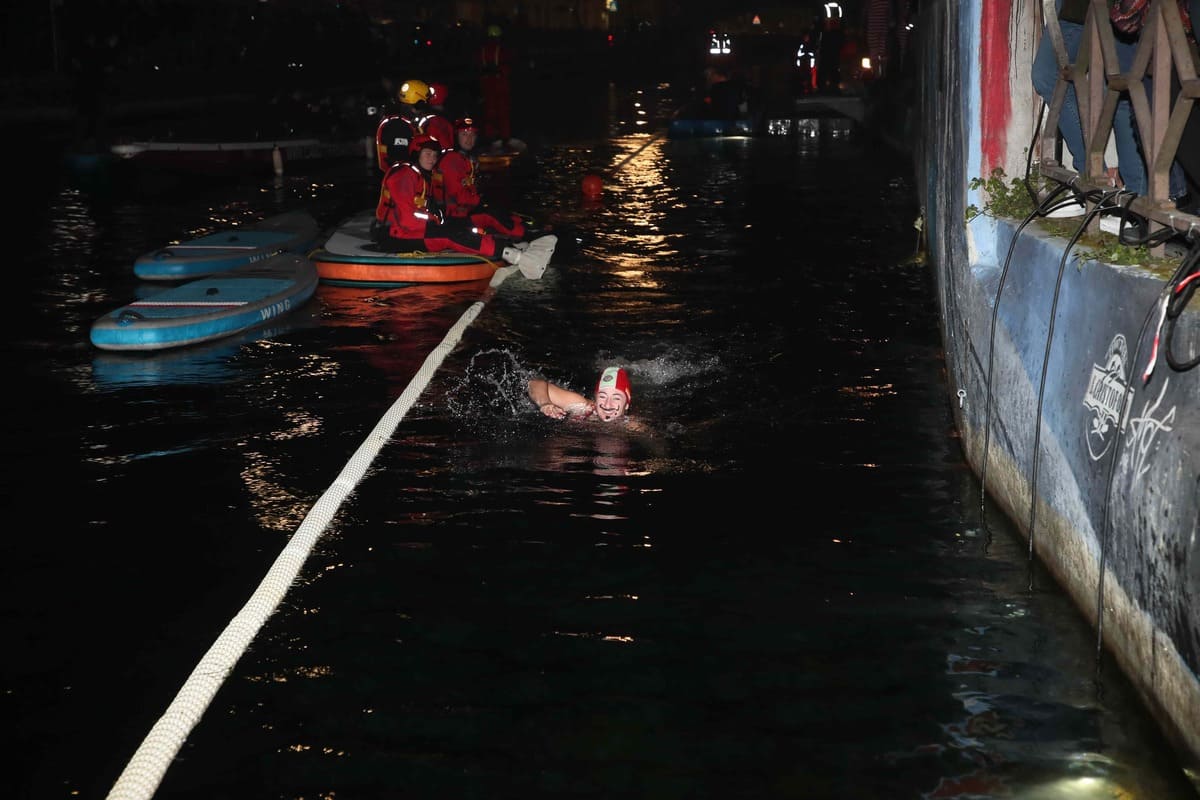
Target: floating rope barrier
[{"x": 144, "y": 772}]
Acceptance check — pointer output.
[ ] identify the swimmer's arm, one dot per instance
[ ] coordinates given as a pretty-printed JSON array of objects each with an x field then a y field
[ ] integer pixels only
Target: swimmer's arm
[{"x": 555, "y": 401}]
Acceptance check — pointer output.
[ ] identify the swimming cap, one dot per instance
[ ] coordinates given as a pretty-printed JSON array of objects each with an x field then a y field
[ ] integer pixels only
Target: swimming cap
[{"x": 616, "y": 378}]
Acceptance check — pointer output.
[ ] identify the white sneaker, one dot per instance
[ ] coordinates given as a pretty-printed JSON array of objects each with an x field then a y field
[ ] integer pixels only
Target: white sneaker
[
  {"x": 1111, "y": 225},
  {"x": 1071, "y": 209}
]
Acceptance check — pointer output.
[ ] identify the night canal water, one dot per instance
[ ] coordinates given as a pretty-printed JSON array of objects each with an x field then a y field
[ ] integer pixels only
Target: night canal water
[{"x": 779, "y": 587}]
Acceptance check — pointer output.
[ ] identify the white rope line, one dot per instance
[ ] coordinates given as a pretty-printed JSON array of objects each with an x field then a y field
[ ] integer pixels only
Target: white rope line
[{"x": 144, "y": 772}]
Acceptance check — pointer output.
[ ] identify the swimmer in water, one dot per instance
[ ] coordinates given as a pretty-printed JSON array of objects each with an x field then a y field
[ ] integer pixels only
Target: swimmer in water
[{"x": 612, "y": 399}]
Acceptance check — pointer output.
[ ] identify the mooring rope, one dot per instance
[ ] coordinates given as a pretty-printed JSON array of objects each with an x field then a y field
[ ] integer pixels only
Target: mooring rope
[{"x": 144, "y": 772}]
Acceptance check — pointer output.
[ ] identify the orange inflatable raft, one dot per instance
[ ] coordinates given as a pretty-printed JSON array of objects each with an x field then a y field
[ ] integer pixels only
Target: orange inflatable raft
[{"x": 351, "y": 258}]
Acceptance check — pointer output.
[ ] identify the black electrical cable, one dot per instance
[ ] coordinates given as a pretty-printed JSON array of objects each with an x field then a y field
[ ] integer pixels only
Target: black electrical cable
[
  {"x": 1178, "y": 302},
  {"x": 1146, "y": 238},
  {"x": 987, "y": 406},
  {"x": 1041, "y": 208},
  {"x": 1037, "y": 424},
  {"x": 1129, "y": 222}
]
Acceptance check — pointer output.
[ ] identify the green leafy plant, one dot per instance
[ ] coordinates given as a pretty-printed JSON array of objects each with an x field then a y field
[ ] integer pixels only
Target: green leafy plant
[
  {"x": 1105, "y": 247},
  {"x": 1005, "y": 197},
  {"x": 1010, "y": 199}
]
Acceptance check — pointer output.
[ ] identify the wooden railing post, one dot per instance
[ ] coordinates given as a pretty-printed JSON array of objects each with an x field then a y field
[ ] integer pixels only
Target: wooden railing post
[{"x": 1163, "y": 49}]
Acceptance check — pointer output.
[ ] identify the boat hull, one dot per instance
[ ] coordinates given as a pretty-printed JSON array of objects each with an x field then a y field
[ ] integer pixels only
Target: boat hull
[
  {"x": 350, "y": 257},
  {"x": 232, "y": 156},
  {"x": 694, "y": 128},
  {"x": 1095, "y": 462}
]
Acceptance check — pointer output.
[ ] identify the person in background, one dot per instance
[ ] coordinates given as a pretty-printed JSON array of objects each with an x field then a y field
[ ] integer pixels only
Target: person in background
[
  {"x": 436, "y": 123},
  {"x": 456, "y": 186},
  {"x": 727, "y": 97},
  {"x": 397, "y": 131},
  {"x": 495, "y": 87},
  {"x": 880, "y": 27},
  {"x": 723, "y": 96},
  {"x": 1188, "y": 154},
  {"x": 829, "y": 51},
  {"x": 611, "y": 400},
  {"x": 407, "y": 218},
  {"x": 806, "y": 60},
  {"x": 1128, "y": 18},
  {"x": 1131, "y": 167}
]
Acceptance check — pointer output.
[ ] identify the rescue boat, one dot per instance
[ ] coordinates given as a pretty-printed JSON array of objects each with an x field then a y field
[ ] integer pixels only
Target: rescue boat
[
  {"x": 693, "y": 128},
  {"x": 350, "y": 257}
]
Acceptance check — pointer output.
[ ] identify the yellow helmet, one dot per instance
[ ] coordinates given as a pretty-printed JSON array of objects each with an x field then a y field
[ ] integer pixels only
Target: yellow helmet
[{"x": 413, "y": 92}]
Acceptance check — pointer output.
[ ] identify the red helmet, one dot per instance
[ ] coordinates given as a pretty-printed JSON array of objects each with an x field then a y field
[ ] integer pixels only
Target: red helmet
[
  {"x": 438, "y": 92},
  {"x": 422, "y": 141},
  {"x": 465, "y": 124}
]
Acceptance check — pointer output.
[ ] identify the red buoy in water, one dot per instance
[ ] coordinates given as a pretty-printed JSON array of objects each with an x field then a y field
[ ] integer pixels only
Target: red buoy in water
[{"x": 592, "y": 186}]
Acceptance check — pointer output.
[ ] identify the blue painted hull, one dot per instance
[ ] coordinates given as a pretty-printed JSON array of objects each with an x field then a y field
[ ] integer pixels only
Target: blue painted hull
[
  {"x": 209, "y": 308},
  {"x": 293, "y": 232},
  {"x": 693, "y": 128},
  {"x": 1095, "y": 462}
]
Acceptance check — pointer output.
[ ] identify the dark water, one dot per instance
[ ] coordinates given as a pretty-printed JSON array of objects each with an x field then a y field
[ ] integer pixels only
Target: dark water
[{"x": 780, "y": 587}]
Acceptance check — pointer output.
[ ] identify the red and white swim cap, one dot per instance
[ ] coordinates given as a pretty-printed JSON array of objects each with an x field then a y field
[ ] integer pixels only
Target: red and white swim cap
[{"x": 616, "y": 378}]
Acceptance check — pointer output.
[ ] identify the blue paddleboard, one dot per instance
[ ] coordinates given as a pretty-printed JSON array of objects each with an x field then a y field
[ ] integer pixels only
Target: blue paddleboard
[
  {"x": 210, "y": 308},
  {"x": 295, "y": 232}
]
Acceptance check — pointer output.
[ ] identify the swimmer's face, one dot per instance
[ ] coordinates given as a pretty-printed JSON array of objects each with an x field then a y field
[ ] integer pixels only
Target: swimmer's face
[{"x": 611, "y": 404}]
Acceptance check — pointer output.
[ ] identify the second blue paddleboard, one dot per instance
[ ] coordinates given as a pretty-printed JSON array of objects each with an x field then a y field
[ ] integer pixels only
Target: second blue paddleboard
[
  {"x": 209, "y": 308},
  {"x": 293, "y": 232}
]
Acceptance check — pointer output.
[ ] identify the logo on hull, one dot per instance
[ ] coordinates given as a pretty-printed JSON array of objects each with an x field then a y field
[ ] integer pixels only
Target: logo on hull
[{"x": 1107, "y": 388}]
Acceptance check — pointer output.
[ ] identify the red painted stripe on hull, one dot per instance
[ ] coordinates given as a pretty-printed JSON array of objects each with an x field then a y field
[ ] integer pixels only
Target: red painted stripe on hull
[{"x": 994, "y": 64}]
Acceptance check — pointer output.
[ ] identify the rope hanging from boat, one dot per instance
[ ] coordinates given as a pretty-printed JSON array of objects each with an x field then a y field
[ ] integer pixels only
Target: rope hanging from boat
[{"x": 144, "y": 772}]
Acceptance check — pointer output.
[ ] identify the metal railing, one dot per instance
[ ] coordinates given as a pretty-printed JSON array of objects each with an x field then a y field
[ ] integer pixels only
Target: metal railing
[{"x": 1162, "y": 48}]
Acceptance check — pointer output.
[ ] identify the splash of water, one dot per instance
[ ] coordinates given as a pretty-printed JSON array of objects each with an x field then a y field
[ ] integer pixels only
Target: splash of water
[{"x": 494, "y": 384}]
